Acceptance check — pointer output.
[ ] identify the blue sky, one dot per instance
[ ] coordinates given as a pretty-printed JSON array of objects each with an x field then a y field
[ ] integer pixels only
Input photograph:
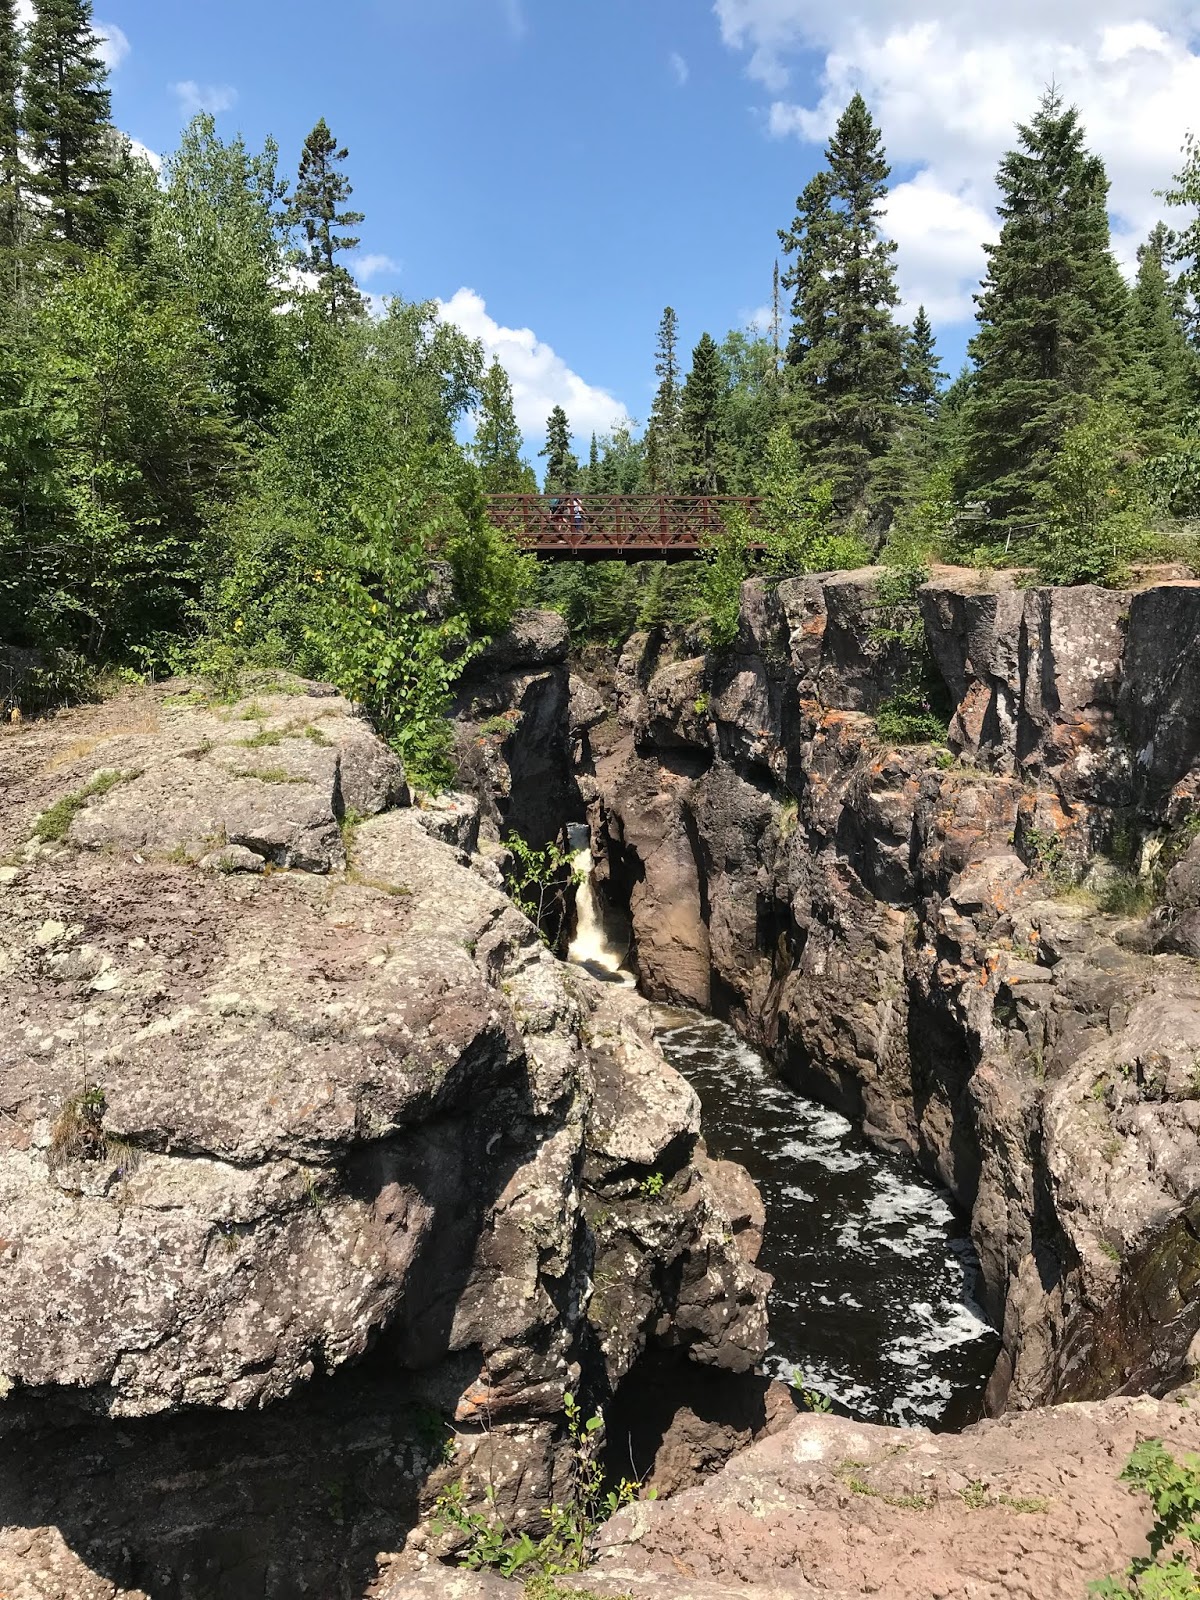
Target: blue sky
[{"x": 556, "y": 171}]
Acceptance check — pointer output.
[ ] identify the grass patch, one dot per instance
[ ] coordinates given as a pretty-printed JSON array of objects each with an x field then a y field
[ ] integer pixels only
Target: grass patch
[
  {"x": 265, "y": 738},
  {"x": 850, "y": 1472},
  {"x": 316, "y": 736},
  {"x": 54, "y": 825},
  {"x": 78, "y": 1134},
  {"x": 977, "y": 1497},
  {"x": 270, "y": 775}
]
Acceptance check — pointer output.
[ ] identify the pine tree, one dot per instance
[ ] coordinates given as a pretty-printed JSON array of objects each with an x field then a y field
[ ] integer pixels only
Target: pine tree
[
  {"x": 1052, "y": 315},
  {"x": 498, "y": 442},
  {"x": 320, "y": 190},
  {"x": 663, "y": 433},
  {"x": 702, "y": 418},
  {"x": 562, "y": 468},
  {"x": 72, "y": 147},
  {"x": 844, "y": 355},
  {"x": 921, "y": 379},
  {"x": 11, "y": 175},
  {"x": 1169, "y": 366}
]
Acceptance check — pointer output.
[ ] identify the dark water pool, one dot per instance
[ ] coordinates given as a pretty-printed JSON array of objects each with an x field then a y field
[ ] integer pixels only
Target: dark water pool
[{"x": 874, "y": 1272}]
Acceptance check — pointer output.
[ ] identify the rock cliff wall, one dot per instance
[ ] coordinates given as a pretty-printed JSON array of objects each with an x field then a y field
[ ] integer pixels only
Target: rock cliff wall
[
  {"x": 320, "y": 1179},
  {"x": 920, "y": 934}
]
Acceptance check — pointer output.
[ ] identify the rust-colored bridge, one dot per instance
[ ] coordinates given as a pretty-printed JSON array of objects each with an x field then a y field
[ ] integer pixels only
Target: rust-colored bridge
[{"x": 616, "y": 527}]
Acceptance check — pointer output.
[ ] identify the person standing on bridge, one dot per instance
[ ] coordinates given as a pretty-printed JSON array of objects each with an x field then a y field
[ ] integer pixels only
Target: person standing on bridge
[{"x": 576, "y": 508}]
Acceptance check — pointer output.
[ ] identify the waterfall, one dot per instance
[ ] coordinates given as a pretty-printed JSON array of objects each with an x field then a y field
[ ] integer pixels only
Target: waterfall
[{"x": 601, "y": 939}]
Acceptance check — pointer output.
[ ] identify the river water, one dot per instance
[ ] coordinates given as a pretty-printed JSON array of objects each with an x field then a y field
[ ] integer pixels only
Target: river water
[
  {"x": 875, "y": 1275},
  {"x": 874, "y": 1272}
]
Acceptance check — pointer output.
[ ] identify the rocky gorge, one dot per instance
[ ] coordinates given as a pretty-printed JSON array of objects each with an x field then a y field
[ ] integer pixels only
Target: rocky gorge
[{"x": 322, "y": 1181}]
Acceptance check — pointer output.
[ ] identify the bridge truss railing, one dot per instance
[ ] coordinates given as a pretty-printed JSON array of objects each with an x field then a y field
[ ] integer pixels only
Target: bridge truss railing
[{"x": 616, "y": 524}]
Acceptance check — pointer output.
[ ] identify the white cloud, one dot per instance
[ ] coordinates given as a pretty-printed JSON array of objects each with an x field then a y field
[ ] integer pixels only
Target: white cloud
[
  {"x": 540, "y": 378},
  {"x": 196, "y": 97},
  {"x": 680, "y": 70},
  {"x": 146, "y": 154},
  {"x": 948, "y": 79},
  {"x": 114, "y": 46},
  {"x": 374, "y": 265}
]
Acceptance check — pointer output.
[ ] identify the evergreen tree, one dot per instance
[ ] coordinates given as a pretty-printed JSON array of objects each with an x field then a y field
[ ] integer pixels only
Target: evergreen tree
[
  {"x": 1052, "y": 315},
  {"x": 11, "y": 174},
  {"x": 498, "y": 442},
  {"x": 320, "y": 190},
  {"x": 562, "y": 468},
  {"x": 921, "y": 380},
  {"x": 73, "y": 150},
  {"x": 844, "y": 354},
  {"x": 702, "y": 416},
  {"x": 664, "y": 432},
  {"x": 1169, "y": 367}
]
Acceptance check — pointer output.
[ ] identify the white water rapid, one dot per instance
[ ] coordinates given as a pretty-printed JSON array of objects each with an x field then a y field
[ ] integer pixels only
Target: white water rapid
[{"x": 601, "y": 939}]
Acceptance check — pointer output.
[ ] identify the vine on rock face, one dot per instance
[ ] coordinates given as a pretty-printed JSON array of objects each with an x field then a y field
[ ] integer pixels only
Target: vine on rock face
[
  {"x": 488, "y": 1542},
  {"x": 1173, "y": 1488}
]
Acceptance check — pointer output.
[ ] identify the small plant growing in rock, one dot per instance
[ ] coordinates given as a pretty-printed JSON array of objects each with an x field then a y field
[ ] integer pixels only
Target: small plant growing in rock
[
  {"x": 489, "y": 1543},
  {"x": 1173, "y": 1489},
  {"x": 651, "y": 1188},
  {"x": 79, "y": 1134},
  {"x": 538, "y": 881},
  {"x": 808, "y": 1399}
]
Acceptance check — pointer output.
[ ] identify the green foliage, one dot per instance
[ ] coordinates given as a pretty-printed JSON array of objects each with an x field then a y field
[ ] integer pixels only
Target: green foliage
[
  {"x": 492, "y": 576},
  {"x": 321, "y": 189},
  {"x": 562, "y": 467},
  {"x": 538, "y": 882},
  {"x": 664, "y": 434},
  {"x": 489, "y": 1544},
  {"x": 1094, "y": 504},
  {"x": 1053, "y": 317},
  {"x": 73, "y": 151},
  {"x": 809, "y": 1399},
  {"x": 914, "y": 712},
  {"x": 702, "y": 420},
  {"x": 798, "y": 532},
  {"x": 1173, "y": 1489},
  {"x": 55, "y": 823},
  {"x": 651, "y": 1188},
  {"x": 726, "y": 567},
  {"x": 373, "y": 636},
  {"x": 498, "y": 442},
  {"x": 845, "y": 365},
  {"x": 217, "y": 243}
]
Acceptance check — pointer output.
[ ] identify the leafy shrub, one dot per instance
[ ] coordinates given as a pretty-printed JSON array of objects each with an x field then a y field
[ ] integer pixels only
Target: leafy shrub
[
  {"x": 913, "y": 713},
  {"x": 1173, "y": 1489},
  {"x": 798, "y": 534},
  {"x": 1095, "y": 506},
  {"x": 538, "y": 881},
  {"x": 488, "y": 1541},
  {"x": 373, "y": 636}
]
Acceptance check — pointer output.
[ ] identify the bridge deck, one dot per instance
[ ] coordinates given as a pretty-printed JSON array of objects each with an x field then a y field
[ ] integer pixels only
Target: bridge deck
[{"x": 621, "y": 527}]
